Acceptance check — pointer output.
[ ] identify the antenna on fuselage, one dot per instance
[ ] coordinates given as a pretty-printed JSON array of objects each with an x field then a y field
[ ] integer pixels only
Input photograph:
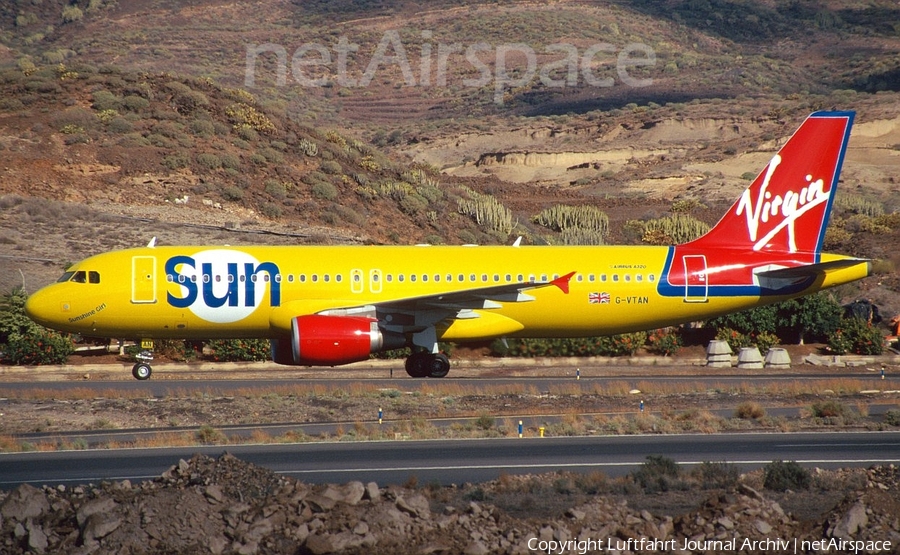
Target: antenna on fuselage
[
  {"x": 152, "y": 243},
  {"x": 518, "y": 241}
]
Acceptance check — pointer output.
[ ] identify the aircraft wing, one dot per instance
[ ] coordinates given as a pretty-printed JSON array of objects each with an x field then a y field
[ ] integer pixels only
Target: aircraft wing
[{"x": 417, "y": 314}]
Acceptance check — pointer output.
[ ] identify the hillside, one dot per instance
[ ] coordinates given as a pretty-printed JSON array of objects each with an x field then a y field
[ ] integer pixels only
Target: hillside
[{"x": 120, "y": 121}]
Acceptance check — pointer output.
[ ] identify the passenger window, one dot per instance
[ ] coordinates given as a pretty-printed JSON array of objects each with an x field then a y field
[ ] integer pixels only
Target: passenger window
[
  {"x": 484, "y": 278},
  {"x": 627, "y": 277},
  {"x": 412, "y": 277},
  {"x": 302, "y": 278},
  {"x": 327, "y": 278},
  {"x": 496, "y": 277},
  {"x": 338, "y": 278},
  {"x": 520, "y": 278},
  {"x": 508, "y": 278},
  {"x": 230, "y": 278},
  {"x": 390, "y": 278},
  {"x": 424, "y": 277},
  {"x": 400, "y": 278},
  {"x": 471, "y": 277},
  {"x": 579, "y": 278},
  {"x": 652, "y": 278},
  {"x": 315, "y": 278},
  {"x": 615, "y": 277},
  {"x": 639, "y": 278},
  {"x": 94, "y": 277},
  {"x": 603, "y": 277},
  {"x": 290, "y": 278},
  {"x": 591, "y": 278}
]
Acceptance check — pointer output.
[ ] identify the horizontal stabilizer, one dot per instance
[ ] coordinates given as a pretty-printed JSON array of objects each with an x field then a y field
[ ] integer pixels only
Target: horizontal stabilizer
[
  {"x": 811, "y": 270},
  {"x": 782, "y": 278}
]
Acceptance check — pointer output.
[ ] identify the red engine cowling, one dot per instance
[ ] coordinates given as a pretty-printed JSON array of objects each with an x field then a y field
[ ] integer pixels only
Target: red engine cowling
[{"x": 331, "y": 340}]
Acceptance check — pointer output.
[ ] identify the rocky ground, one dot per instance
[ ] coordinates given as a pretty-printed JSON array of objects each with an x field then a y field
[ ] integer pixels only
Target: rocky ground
[{"x": 225, "y": 505}]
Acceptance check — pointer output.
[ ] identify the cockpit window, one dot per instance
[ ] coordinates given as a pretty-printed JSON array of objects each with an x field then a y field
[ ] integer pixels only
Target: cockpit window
[{"x": 80, "y": 276}]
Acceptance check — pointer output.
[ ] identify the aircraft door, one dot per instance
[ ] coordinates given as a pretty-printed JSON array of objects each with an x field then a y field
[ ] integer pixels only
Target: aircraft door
[
  {"x": 696, "y": 282},
  {"x": 143, "y": 279}
]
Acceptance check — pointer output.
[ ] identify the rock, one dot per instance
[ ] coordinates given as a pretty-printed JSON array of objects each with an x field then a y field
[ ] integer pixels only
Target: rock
[
  {"x": 98, "y": 526},
  {"x": 372, "y": 491},
  {"x": 416, "y": 505},
  {"x": 321, "y": 544},
  {"x": 762, "y": 527},
  {"x": 25, "y": 502},
  {"x": 37, "y": 538},
  {"x": 476, "y": 548},
  {"x": 852, "y": 521},
  {"x": 103, "y": 505},
  {"x": 320, "y": 503},
  {"x": 214, "y": 493},
  {"x": 361, "y": 528},
  {"x": 575, "y": 514},
  {"x": 350, "y": 493}
]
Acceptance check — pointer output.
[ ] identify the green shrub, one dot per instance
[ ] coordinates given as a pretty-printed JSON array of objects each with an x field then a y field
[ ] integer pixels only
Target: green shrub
[
  {"x": 135, "y": 103},
  {"x": 782, "y": 476},
  {"x": 176, "y": 161},
  {"x": 232, "y": 193},
  {"x": 324, "y": 190},
  {"x": 38, "y": 347},
  {"x": 658, "y": 473},
  {"x": 830, "y": 409},
  {"x": 235, "y": 350},
  {"x": 105, "y": 100},
  {"x": 717, "y": 475},
  {"x": 209, "y": 160},
  {"x": 892, "y": 417},
  {"x": 332, "y": 167},
  {"x": 615, "y": 345},
  {"x": 202, "y": 128},
  {"x": 120, "y": 125},
  {"x": 857, "y": 337},
  {"x": 663, "y": 342},
  {"x": 276, "y": 189}
]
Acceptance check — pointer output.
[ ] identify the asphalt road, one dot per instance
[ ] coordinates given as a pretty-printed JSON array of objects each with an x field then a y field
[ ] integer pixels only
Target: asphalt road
[{"x": 460, "y": 461}]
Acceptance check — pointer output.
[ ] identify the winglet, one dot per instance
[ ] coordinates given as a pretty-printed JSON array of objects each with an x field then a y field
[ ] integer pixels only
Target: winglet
[{"x": 563, "y": 282}]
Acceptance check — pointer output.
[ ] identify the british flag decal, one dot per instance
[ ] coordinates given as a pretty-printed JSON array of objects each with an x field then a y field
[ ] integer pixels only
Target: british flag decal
[{"x": 598, "y": 298}]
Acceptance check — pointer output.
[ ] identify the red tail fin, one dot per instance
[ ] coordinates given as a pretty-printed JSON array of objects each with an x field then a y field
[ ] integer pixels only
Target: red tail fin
[{"x": 786, "y": 208}]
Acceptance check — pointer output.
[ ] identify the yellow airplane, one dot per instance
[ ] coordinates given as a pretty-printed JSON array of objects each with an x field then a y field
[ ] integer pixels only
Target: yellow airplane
[{"x": 336, "y": 305}]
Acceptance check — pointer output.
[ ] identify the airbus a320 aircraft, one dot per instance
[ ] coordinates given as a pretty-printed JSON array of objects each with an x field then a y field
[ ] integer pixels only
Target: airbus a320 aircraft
[{"x": 336, "y": 305}]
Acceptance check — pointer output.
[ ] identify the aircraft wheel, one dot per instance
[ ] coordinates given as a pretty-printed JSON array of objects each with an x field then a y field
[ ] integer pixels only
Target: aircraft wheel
[
  {"x": 439, "y": 366},
  {"x": 418, "y": 365},
  {"x": 141, "y": 371}
]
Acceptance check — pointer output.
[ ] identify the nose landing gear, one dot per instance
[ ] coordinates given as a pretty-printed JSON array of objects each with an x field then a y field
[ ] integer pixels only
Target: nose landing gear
[{"x": 142, "y": 370}]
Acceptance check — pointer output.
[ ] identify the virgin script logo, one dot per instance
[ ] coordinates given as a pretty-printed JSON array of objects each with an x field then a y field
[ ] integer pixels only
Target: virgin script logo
[{"x": 791, "y": 207}]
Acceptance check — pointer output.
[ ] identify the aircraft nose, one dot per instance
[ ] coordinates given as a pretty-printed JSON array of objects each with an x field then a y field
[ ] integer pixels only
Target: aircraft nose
[{"x": 41, "y": 308}]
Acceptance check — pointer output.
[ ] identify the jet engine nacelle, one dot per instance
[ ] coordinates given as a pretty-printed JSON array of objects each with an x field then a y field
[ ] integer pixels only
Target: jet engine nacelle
[{"x": 328, "y": 341}]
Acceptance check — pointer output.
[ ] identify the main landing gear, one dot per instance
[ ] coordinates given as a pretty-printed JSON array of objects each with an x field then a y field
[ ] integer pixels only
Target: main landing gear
[{"x": 427, "y": 365}]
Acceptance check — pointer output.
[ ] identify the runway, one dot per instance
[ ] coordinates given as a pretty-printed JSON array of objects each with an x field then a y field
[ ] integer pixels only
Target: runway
[{"x": 460, "y": 461}]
